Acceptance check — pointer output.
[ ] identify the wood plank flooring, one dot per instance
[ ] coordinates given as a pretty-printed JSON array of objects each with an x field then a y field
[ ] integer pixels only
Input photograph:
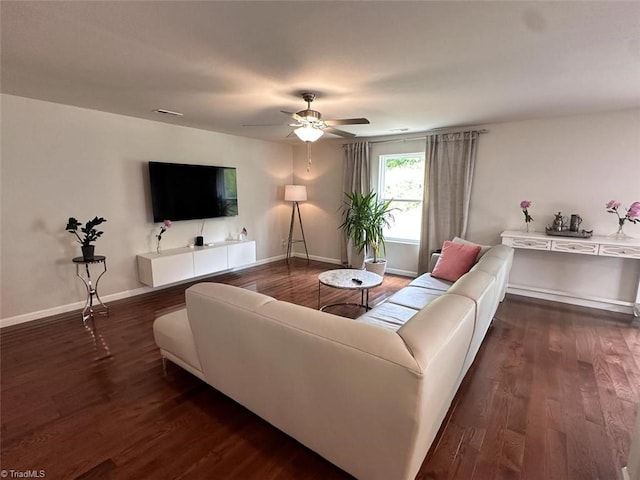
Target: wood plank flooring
[{"x": 553, "y": 394}]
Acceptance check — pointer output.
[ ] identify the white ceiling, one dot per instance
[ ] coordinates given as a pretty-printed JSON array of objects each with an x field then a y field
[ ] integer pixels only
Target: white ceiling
[{"x": 403, "y": 65}]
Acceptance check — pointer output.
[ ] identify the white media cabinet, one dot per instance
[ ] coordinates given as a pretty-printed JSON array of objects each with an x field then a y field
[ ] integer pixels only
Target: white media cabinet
[
  {"x": 595, "y": 245},
  {"x": 178, "y": 264}
]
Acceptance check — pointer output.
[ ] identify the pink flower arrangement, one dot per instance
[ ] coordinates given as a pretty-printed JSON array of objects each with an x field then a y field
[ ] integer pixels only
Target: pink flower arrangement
[
  {"x": 524, "y": 205},
  {"x": 632, "y": 214},
  {"x": 166, "y": 224}
]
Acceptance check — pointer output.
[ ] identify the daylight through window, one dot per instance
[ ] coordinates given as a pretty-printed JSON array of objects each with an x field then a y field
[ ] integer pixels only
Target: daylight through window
[{"x": 402, "y": 179}]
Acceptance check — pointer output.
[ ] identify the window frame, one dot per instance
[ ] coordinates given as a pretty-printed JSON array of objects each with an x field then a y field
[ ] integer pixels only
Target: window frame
[{"x": 382, "y": 162}]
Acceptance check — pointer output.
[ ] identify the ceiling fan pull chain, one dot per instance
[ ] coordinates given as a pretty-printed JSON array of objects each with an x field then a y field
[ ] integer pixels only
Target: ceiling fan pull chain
[{"x": 308, "y": 156}]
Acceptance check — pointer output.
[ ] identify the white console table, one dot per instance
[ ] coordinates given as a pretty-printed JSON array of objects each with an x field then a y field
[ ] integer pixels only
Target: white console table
[
  {"x": 177, "y": 264},
  {"x": 595, "y": 245}
]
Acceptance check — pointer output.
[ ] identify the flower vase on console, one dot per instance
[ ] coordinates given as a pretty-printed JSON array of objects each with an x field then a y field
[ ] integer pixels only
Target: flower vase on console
[
  {"x": 632, "y": 215},
  {"x": 166, "y": 224},
  {"x": 620, "y": 235},
  {"x": 524, "y": 205}
]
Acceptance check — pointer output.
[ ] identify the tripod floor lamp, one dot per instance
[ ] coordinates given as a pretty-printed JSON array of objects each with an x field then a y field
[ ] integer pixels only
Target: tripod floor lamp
[{"x": 295, "y": 194}]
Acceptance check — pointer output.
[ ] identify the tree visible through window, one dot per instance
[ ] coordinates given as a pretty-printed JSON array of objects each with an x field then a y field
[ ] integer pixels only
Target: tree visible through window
[{"x": 402, "y": 179}]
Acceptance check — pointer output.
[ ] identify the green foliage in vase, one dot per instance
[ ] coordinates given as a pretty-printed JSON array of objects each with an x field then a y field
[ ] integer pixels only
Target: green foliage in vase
[
  {"x": 364, "y": 221},
  {"x": 91, "y": 234}
]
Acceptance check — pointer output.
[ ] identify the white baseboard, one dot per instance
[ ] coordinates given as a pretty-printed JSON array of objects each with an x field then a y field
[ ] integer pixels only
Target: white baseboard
[
  {"x": 31, "y": 316},
  {"x": 402, "y": 273},
  {"x": 335, "y": 261},
  {"x": 611, "y": 305}
]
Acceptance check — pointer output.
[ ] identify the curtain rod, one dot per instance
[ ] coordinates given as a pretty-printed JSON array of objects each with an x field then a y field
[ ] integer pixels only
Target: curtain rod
[{"x": 424, "y": 137}]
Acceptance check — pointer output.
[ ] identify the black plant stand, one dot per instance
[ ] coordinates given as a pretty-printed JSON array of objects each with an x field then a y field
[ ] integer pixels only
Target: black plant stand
[{"x": 92, "y": 289}]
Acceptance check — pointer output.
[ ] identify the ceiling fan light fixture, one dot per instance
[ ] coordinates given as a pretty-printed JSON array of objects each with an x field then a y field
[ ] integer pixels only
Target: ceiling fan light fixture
[{"x": 308, "y": 133}]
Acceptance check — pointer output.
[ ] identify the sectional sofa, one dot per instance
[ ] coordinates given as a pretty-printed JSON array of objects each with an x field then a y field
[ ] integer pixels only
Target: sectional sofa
[{"x": 369, "y": 394}]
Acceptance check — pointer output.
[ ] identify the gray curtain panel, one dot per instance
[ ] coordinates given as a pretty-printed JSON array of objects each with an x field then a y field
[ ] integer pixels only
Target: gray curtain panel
[
  {"x": 356, "y": 178},
  {"x": 449, "y": 163}
]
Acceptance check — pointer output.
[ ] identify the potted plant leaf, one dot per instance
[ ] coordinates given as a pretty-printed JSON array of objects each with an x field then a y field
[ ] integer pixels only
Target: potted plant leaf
[
  {"x": 91, "y": 234},
  {"x": 364, "y": 220}
]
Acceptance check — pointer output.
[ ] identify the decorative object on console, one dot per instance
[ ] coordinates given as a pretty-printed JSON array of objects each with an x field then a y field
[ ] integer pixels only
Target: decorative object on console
[
  {"x": 295, "y": 194},
  {"x": 165, "y": 224},
  {"x": 559, "y": 227},
  {"x": 364, "y": 221},
  {"x": 455, "y": 260},
  {"x": 569, "y": 233},
  {"x": 559, "y": 222},
  {"x": 632, "y": 215},
  {"x": 575, "y": 222},
  {"x": 200, "y": 238},
  {"x": 525, "y": 205},
  {"x": 90, "y": 235},
  {"x": 243, "y": 234}
]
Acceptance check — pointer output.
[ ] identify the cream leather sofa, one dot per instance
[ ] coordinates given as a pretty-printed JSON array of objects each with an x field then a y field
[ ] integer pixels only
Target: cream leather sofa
[{"x": 369, "y": 394}]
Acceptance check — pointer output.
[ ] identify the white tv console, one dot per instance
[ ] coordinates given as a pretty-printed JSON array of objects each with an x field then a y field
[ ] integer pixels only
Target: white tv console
[{"x": 177, "y": 264}]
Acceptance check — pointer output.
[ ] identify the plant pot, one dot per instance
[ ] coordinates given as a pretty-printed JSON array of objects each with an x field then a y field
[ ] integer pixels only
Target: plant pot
[
  {"x": 378, "y": 267},
  {"x": 88, "y": 252},
  {"x": 355, "y": 259}
]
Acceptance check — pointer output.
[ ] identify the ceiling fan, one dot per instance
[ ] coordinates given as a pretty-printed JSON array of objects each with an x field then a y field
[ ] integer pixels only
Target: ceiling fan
[{"x": 310, "y": 126}]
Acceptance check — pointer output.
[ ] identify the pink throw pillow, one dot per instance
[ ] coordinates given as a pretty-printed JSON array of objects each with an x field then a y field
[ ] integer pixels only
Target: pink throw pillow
[{"x": 455, "y": 260}]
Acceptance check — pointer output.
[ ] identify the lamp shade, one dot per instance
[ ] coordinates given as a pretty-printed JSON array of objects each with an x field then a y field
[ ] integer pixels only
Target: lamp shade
[
  {"x": 295, "y": 193},
  {"x": 308, "y": 133}
]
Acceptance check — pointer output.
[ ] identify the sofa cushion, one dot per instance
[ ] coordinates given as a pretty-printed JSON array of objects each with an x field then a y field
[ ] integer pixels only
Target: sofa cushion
[
  {"x": 455, "y": 260},
  {"x": 427, "y": 281},
  {"x": 413, "y": 297},
  {"x": 482, "y": 289},
  {"x": 388, "y": 315},
  {"x": 172, "y": 334}
]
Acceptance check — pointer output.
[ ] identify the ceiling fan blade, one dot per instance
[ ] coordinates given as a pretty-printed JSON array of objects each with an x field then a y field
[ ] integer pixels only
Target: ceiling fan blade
[
  {"x": 340, "y": 133},
  {"x": 290, "y": 134},
  {"x": 292, "y": 115},
  {"x": 348, "y": 121},
  {"x": 262, "y": 124}
]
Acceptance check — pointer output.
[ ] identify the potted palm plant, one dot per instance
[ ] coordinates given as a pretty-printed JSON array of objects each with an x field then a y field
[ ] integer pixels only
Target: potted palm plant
[
  {"x": 364, "y": 220},
  {"x": 91, "y": 234}
]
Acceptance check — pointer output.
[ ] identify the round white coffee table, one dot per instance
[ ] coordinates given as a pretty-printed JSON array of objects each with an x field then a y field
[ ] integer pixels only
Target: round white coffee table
[{"x": 349, "y": 279}]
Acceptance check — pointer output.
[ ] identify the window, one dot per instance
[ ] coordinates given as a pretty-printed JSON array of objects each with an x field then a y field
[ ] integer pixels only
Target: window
[{"x": 402, "y": 179}]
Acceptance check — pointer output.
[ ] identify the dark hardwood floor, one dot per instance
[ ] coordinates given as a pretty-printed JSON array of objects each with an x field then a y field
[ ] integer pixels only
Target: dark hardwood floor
[{"x": 552, "y": 394}]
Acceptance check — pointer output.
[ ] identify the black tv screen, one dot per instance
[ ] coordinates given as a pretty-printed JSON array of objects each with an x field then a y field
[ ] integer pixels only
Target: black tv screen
[{"x": 189, "y": 192}]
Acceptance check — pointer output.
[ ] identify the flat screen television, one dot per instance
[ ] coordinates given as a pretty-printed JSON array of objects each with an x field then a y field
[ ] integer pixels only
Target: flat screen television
[{"x": 189, "y": 192}]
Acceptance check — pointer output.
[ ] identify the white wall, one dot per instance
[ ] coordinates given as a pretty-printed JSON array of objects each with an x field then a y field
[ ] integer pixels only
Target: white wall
[
  {"x": 60, "y": 161},
  {"x": 570, "y": 164}
]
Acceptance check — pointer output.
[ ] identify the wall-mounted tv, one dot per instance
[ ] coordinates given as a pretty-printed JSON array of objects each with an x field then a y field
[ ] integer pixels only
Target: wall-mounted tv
[{"x": 189, "y": 192}]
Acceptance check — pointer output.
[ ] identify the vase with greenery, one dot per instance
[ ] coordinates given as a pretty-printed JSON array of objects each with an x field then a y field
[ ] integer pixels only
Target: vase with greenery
[
  {"x": 364, "y": 220},
  {"x": 90, "y": 234}
]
